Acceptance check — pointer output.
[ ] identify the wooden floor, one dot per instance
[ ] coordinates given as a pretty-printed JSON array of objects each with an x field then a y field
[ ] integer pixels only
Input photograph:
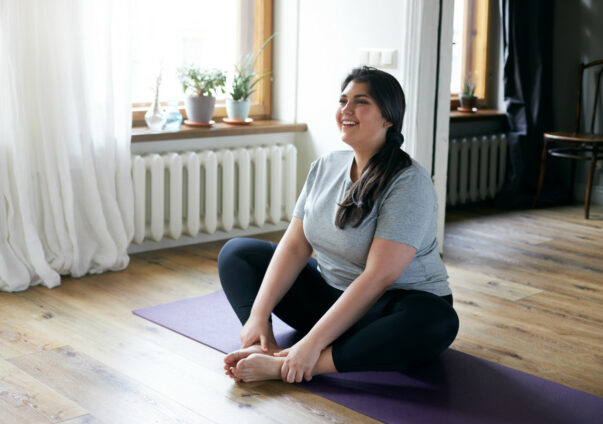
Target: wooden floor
[{"x": 528, "y": 287}]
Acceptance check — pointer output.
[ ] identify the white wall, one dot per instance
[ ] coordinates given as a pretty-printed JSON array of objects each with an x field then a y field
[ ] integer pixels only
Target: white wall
[
  {"x": 310, "y": 63},
  {"x": 319, "y": 42}
]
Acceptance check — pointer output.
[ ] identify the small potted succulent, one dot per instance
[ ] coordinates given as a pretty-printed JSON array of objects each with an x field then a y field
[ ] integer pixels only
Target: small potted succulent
[
  {"x": 201, "y": 85},
  {"x": 467, "y": 98},
  {"x": 244, "y": 80}
]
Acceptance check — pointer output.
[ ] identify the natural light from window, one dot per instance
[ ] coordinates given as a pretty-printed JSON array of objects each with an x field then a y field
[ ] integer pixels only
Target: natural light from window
[
  {"x": 169, "y": 34},
  {"x": 457, "y": 47}
]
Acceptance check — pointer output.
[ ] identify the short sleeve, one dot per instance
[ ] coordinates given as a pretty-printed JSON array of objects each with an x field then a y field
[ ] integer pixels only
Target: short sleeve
[
  {"x": 407, "y": 210},
  {"x": 300, "y": 205}
]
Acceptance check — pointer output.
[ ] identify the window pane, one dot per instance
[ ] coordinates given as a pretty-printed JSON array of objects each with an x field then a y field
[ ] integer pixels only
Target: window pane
[
  {"x": 457, "y": 47},
  {"x": 169, "y": 34}
]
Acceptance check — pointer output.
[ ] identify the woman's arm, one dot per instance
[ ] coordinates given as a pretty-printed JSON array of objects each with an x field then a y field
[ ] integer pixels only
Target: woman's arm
[
  {"x": 386, "y": 261},
  {"x": 291, "y": 255}
]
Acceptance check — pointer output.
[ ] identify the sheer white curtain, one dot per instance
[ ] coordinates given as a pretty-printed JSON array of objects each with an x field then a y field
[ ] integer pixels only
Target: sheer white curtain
[{"x": 66, "y": 204}]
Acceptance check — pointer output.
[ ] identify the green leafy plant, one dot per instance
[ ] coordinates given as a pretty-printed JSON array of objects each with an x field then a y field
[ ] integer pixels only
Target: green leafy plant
[
  {"x": 245, "y": 77},
  {"x": 201, "y": 82},
  {"x": 469, "y": 86}
]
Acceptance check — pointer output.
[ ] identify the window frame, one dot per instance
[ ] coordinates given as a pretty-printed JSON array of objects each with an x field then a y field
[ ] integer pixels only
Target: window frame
[
  {"x": 475, "y": 56},
  {"x": 261, "y": 100}
]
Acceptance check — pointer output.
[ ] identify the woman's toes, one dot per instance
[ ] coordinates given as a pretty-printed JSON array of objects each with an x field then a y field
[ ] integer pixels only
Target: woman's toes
[
  {"x": 231, "y": 358},
  {"x": 241, "y": 365},
  {"x": 233, "y": 374}
]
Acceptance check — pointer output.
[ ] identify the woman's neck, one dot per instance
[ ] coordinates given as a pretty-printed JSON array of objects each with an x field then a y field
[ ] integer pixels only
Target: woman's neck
[
  {"x": 362, "y": 156},
  {"x": 360, "y": 161}
]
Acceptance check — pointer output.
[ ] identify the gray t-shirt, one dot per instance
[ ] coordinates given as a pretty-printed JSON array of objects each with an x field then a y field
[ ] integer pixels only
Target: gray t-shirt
[{"x": 405, "y": 212}]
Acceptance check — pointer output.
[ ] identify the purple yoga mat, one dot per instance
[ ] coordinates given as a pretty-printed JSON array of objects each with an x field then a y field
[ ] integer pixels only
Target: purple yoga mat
[{"x": 456, "y": 388}]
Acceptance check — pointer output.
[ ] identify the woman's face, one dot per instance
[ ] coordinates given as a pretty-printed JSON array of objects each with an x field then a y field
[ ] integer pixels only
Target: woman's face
[{"x": 359, "y": 119}]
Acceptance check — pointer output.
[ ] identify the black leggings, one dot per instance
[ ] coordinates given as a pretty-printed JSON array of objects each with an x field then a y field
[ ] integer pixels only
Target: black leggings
[{"x": 403, "y": 330}]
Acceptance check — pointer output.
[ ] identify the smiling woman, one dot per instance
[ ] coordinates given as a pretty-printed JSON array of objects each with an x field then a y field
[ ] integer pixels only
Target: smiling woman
[
  {"x": 370, "y": 116},
  {"x": 359, "y": 119},
  {"x": 376, "y": 296}
]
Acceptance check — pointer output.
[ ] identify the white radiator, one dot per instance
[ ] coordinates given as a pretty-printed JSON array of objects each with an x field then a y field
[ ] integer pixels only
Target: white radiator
[
  {"x": 205, "y": 191},
  {"x": 476, "y": 168}
]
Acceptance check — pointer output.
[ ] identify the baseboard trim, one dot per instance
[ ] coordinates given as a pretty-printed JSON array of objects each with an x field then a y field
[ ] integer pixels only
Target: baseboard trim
[{"x": 166, "y": 242}]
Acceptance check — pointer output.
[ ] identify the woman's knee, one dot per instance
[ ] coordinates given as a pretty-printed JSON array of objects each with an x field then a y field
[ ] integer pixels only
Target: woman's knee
[
  {"x": 443, "y": 320},
  {"x": 434, "y": 321},
  {"x": 440, "y": 328},
  {"x": 242, "y": 256},
  {"x": 228, "y": 252},
  {"x": 242, "y": 248},
  {"x": 446, "y": 327}
]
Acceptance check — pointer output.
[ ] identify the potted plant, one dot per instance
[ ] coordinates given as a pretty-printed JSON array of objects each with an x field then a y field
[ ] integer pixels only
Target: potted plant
[
  {"x": 201, "y": 85},
  {"x": 244, "y": 80},
  {"x": 467, "y": 98}
]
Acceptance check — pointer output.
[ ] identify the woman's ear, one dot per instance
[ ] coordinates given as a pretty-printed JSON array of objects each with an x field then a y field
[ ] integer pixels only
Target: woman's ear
[{"x": 387, "y": 124}]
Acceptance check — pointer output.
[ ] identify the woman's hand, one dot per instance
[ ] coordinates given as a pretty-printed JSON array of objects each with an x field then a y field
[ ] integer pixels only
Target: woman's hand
[
  {"x": 258, "y": 330},
  {"x": 301, "y": 360}
]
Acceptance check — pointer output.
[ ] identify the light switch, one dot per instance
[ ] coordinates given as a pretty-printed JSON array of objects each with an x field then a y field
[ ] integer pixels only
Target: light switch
[
  {"x": 387, "y": 57},
  {"x": 364, "y": 57},
  {"x": 374, "y": 57}
]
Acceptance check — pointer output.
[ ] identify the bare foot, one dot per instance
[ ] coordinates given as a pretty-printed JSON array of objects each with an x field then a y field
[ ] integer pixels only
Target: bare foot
[
  {"x": 231, "y": 360},
  {"x": 258, "y": 367}
]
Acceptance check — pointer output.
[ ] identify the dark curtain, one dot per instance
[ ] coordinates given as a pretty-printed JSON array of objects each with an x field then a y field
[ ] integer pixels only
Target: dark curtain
[{"x": 527, "y": 43}]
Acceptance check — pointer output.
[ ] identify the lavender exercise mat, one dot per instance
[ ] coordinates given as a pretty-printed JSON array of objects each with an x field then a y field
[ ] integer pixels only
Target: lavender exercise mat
[{"x": 456, "y": 388}]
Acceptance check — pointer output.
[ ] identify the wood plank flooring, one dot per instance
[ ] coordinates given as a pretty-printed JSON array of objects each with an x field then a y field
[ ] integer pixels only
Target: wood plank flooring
[{"x": 528, "y": 287}]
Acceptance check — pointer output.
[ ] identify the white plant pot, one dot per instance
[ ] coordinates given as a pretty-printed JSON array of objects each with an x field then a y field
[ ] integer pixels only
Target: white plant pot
[
  {"x": 237, "y": 110},
  {"x": 200, "y": 109}
]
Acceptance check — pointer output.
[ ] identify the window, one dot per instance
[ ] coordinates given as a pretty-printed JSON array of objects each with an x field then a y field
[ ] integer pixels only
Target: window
[
  {"x": 211, "y": 34},
  {"x": 470, "y": 48}
]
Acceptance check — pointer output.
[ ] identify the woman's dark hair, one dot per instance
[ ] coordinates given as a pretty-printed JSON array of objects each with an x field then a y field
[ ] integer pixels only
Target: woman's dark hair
[{"x": 390, "y": 160}]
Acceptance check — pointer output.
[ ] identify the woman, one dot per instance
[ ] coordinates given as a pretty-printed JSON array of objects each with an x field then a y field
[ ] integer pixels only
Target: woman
[{"x": 376, "y": 297}]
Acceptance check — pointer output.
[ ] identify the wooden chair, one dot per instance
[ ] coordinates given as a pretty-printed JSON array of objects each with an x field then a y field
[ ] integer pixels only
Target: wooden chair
[{"x": 576, "y": 145}]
